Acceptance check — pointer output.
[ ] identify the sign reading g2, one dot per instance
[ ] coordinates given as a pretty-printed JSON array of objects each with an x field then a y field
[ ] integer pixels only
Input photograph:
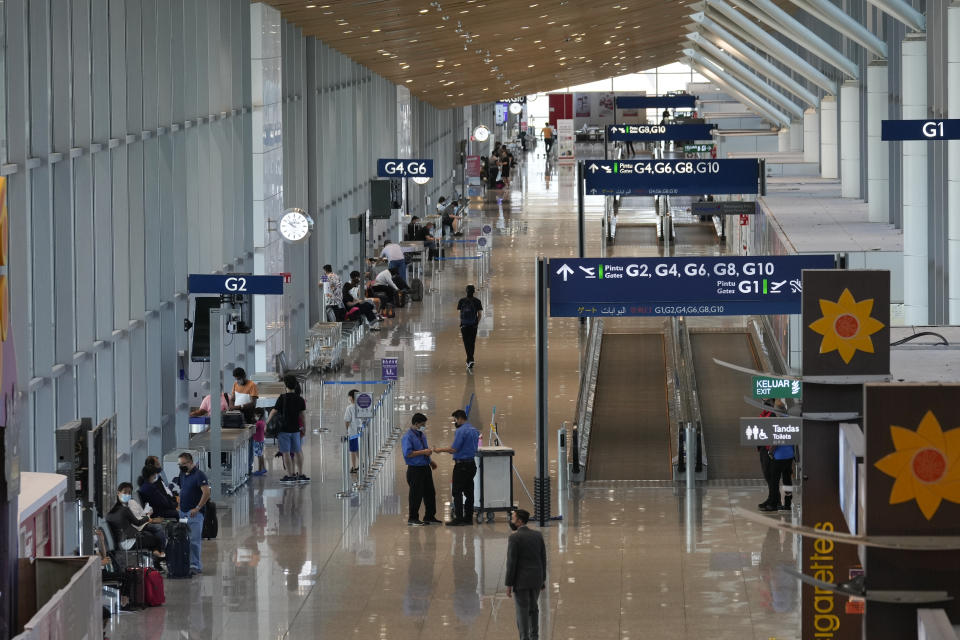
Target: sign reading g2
[
  {"x": 235, "y": 284},
  {"x": 920, "y": 129},
  {"x": 404, "y": 168}
]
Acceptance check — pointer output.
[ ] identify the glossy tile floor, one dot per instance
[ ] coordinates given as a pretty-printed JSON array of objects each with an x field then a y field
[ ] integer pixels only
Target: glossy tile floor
[{"x": 626, "y": 562}]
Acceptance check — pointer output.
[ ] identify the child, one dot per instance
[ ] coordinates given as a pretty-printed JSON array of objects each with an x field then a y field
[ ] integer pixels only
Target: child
[{"x": 258, "y": 438}]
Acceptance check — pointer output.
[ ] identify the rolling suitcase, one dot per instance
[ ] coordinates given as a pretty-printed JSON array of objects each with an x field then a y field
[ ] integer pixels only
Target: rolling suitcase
[
  {"x": 210, "y": 524},
  {"x": 416, "y": 290},
  {"x": 153, "y": 588},
  {"x": 133, "y": 588},
  {"x": 178, "y": 551}
]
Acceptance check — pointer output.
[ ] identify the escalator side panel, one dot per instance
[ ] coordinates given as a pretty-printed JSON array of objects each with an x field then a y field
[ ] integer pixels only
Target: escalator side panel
[
  {"x": 630, "y": 435},
  {"x": 721, "y": 403}
]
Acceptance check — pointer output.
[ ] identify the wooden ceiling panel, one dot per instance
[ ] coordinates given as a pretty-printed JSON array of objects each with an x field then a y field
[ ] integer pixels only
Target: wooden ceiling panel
[{"x": 461, "y": 52}]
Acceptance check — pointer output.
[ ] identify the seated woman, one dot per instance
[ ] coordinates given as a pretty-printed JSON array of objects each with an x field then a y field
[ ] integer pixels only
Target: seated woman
[
  {"x": 152, "y": 493},
  {"x": 126, "y": 526},
  {"x": 364, "y": 308}
]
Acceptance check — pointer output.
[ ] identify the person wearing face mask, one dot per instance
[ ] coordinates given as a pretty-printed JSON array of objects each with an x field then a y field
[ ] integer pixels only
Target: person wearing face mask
[
  {"x": 152, "y": 493},
  {"x": 416, "y": 453},
  {"x": 124, "y": 525},
  {"x": 194, "y": 494},
  {"x": 464, "y": 450},
  {"x": 526, "y": 573}
]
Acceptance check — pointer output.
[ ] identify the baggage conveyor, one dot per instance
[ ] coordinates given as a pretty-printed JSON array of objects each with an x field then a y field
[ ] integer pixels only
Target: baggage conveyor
[{"x": 630, "y": 436}]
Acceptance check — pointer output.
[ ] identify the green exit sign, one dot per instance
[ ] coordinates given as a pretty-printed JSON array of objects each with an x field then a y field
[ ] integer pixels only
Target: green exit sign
[
  {"x": 764, "y": 387},
  {"x": 697, "y": 148}
]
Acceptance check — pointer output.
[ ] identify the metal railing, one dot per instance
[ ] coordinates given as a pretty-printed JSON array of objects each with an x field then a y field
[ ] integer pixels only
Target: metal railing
[
  {"x": 588, "y": 391},
  {"x": 375, "y": 438}
]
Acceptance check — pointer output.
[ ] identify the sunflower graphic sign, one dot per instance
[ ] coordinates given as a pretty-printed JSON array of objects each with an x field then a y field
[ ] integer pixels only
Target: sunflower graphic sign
[
  {"x": 846, "y": 322},
  {"x": 913, "y": 459}
]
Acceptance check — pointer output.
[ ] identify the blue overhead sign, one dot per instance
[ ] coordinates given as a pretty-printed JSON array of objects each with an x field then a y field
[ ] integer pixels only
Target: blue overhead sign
[
  {"x": 235, "y": 284},
  {"x": 683, "y": 101},
  {"x": 690, "y": 286},
  {"x": 404, "y": 168},
  {"x": 671, "y": 177},
  {"x": 920, "y": 129},
  {"x": 640, "y": 132}
]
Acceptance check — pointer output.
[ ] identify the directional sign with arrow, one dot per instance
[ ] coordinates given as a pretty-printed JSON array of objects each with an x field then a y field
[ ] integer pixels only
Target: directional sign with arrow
[
  {"x": 672, "y": 177},
  {"x": 692, "y": 286}
]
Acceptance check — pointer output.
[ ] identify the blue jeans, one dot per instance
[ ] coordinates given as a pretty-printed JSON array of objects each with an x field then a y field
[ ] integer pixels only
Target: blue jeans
[
  {"x": 196, "y": 532},
  {"x": 401, "y": 266}
]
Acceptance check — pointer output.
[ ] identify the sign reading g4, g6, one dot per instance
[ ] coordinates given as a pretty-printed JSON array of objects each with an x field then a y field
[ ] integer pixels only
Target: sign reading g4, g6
[
  {"x": 920, "y": 130},
  {"x": 404, "y": 168},
  {"x": 235, "y": 284}
]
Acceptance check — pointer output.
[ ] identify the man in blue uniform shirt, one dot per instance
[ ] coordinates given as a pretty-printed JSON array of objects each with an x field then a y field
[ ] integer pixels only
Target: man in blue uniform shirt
[
  {"x": 464, "y": 450},
  {"x": 416, "y": 453},
  {"x": 194, "y": 494}
]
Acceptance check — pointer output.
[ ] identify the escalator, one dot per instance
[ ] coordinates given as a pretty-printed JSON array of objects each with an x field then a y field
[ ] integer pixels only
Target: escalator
[
  {"x": 721, "y": 402},
  {"x": 630, "y": 436}
]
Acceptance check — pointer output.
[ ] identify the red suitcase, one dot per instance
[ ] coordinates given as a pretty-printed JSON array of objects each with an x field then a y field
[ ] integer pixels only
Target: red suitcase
[{"x": 153, "y": 588}]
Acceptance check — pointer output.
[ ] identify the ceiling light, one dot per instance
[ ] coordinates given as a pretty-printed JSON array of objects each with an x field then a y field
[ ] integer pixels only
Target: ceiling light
[
  {"x": 311, "y": 6},
  {"x": 374, "y": 30},
  {"x": 409, "y": 81}
]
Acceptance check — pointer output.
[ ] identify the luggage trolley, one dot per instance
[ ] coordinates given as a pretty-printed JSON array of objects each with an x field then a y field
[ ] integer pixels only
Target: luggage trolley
[{"x": 493, "y": 484}]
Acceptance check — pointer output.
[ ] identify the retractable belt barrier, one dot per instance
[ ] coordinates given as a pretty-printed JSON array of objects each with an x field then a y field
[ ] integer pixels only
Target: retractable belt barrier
[{"x": 376, "y": 435}]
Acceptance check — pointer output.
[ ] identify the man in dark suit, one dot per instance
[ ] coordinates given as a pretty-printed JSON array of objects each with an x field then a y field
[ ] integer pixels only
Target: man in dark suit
[{"x": 526, "y": 573}]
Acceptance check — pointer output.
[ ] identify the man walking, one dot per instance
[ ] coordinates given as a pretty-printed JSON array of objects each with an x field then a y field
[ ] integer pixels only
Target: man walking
[
  {"x": 416, "y": 453},
  {"x": 471, "y": 310},
  {"x": 526, "y": 573},
  {"x": 464, "y": 450},
  {"x": 194, "y": 494}
]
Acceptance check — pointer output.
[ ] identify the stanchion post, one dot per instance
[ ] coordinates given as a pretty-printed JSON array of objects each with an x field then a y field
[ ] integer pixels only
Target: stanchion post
[
  {"x": 691, "y": 438},
  {"x": 345, "y": 467},
  {"x": 542, "y": 479}
]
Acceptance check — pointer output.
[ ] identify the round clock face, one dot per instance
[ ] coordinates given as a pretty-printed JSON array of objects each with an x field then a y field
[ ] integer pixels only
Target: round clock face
[
  {"x": 295, "y": 225},
  {"x": 516, "y": 107},
  {"x": 481, "y": 133}
]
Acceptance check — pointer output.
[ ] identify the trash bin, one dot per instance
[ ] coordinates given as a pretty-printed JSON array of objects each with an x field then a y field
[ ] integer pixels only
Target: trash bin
[{"x": 493, "y": 484}]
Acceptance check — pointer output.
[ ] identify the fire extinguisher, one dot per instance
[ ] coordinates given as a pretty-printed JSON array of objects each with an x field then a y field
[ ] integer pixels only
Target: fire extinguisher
[{"x": 713, "y": 152}]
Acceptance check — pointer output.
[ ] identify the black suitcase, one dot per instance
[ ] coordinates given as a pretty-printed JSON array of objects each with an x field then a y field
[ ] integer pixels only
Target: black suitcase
[
  {"x": 133, "y": 588},
  {"x": 178, "y": 550},
  {"x": 232, "y": 420},
  {"x": 416, "y": 290},
  {"x": 210, "y": 524}
]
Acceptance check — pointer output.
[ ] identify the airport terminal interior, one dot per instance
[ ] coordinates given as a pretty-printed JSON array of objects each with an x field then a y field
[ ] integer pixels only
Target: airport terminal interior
[{"x": 545, "y": 319}]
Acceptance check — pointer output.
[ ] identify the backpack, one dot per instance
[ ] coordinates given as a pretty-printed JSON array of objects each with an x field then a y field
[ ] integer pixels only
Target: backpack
[
  {"x": 416, "y": 290},
  {"x": 468, "y": 312}
]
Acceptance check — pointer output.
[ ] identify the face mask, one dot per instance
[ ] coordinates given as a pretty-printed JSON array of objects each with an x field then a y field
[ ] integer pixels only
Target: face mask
[
  {"x": 152, "y": 480},
  {"x": 125, "y": 498},
  {"x": 184, "y": 468},
  {"x": 422, "y": 428},
  {"x": 513, "y": 525}
]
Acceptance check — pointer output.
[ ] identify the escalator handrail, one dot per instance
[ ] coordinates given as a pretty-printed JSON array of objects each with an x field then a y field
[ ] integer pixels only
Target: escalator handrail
[
  {"x": 588, "y": 389},
  {"x": 693, "y": 395}
]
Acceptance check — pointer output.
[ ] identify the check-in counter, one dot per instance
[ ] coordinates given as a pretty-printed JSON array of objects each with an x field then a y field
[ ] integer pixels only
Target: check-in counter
[{"x": 234, "y": 457}]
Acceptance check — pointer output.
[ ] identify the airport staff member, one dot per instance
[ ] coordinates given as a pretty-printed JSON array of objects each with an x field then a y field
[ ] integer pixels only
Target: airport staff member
[
  {"x": 416, "y": 453},
  {"x": 194, "y": 494},
  {"x": 464, "y": 450},
  {"x": 526, "y": 573}
]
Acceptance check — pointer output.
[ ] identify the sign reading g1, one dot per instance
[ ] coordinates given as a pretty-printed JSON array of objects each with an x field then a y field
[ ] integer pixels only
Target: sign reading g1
[
  {"x": 920, "y": 129},
  {"x": 235, "y": 284},
  {"x": 404, "y": 168}
]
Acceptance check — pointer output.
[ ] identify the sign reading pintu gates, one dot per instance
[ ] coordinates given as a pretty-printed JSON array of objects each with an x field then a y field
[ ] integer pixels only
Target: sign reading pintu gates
[
  {"x": 235, "y": 284},
  {"x": 640, "y": 132},
  {"x": 678, "y": 101},
  {"x": 671, "y": 177},
  {"x": 404, "y": 168},
  {"x": 689, "y": 286},
  {"x": 920, "y": 129}
]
